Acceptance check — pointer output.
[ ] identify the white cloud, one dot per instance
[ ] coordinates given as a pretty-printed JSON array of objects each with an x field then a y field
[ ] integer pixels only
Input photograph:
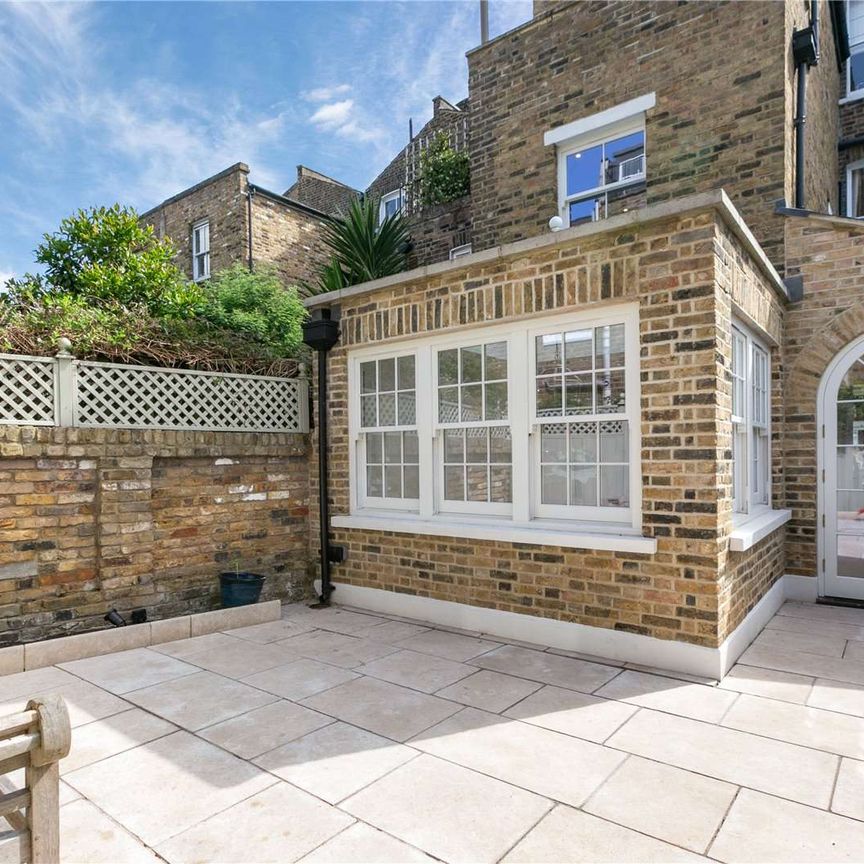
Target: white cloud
[
  {"x": 5, "y": 276},
  {"x": 325, "y": 94},
  {"x": 333, "y": 115},
  {"x": 162, "y": 138}
]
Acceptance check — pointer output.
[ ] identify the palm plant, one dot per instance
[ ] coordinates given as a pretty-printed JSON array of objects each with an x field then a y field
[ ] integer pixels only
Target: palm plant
[{"x": 362, "y": 249}]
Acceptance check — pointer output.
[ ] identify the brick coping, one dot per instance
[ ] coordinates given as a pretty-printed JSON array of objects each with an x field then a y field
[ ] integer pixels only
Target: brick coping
[
  {"x": 48, "y": 652},
  {"x": 716, "y": 200}
]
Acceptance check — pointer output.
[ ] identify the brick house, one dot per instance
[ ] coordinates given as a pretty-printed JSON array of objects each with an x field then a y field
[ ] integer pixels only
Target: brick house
[
  {"x": 632, "y": 435},
  {"x": 226, "y": 218}
]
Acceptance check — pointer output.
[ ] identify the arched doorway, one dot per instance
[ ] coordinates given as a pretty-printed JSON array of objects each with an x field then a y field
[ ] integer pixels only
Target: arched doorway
[{"x": 841, "y": 499}]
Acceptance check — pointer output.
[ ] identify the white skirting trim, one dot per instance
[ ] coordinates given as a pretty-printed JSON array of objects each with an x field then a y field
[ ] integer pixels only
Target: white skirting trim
[{"x": 599, "y": 641}]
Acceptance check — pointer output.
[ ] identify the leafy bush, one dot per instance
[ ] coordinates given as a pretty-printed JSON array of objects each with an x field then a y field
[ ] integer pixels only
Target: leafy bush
[
  {"x": 105, "y": 254},
  {"x": 445, "y": 173},
  {"x": 362, "y": 249},
  {"x": 256, "y": 305}
]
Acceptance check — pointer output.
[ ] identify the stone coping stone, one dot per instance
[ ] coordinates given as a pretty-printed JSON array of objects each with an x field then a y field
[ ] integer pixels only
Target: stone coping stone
[{"x": 48, "y": 652}]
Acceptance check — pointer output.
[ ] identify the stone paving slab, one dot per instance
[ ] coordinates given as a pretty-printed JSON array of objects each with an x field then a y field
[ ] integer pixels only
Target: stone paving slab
[{"x": 475, "y": 749}]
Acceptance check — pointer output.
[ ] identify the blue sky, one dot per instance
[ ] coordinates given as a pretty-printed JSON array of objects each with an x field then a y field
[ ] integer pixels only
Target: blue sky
[{"x": 132, "y": 101}]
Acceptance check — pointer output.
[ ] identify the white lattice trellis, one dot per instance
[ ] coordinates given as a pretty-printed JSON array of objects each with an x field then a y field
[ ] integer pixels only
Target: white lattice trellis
[
  {"x": 150, "y": 397},
  {"x": 27, "y": 390}
]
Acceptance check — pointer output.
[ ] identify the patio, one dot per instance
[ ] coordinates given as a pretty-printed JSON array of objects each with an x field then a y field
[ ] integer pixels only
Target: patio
[{"x": 341, "y": 736}]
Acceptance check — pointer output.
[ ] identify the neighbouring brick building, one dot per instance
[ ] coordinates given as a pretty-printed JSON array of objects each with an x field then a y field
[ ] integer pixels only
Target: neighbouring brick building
[
  {"x": 604, "y": 436},
  {"x": 226, "y": 219}
]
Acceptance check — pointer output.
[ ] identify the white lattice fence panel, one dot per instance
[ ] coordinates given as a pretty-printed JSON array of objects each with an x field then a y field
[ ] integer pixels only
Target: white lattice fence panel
[
  {"x": 150, "y": 397},
  {"x": 27, "y": 390}
]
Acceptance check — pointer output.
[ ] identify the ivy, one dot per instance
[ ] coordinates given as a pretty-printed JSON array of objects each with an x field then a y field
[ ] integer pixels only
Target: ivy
[{"x": 445, "y": 173}]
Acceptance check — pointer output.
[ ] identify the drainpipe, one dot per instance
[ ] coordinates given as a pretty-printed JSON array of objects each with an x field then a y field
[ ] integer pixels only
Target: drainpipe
[
  {"x": 321, "y": 333},
  {"x": 484, "y": 21},
  {"x": 250, "y": 191},
  {"x": 805, "y": 53}
]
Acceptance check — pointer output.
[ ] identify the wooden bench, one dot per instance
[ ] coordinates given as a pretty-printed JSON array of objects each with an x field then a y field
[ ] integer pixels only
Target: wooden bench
[{"x": 35, "y": 740}]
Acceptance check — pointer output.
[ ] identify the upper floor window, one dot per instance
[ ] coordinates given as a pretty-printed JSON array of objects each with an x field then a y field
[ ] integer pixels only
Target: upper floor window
[
  {"x": 855, "y": 63},
  {"x": 201, "y": 250},
  {"x": 529, "y": 422},
  {"x": 855, "y": 189},
  {"x": 459, "y": 251},
  {"x": 602, "y": 162},
  {"x": 751, "y": 420},
  {"x": 391, "y": 205}
]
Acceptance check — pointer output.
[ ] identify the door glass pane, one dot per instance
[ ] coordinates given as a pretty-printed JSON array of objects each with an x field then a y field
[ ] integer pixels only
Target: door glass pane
[
  {"x": 850, "y": 423},
  {"x": 549, "y": 355},
  {"x": 577, "y": 351}
]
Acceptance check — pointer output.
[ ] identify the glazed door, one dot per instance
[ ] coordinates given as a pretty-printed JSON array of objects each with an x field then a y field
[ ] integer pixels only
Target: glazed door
[{"x": 843, "y": 464}]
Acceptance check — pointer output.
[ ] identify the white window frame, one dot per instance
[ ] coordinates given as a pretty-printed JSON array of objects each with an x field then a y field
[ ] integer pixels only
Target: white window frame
[
  {"x": 856, "y": 46},
  {"x": 623, "y": 119},
  {"x": 395, "y": 195},
  {"x": 379, "y": 502},
  {"x": 751, "y": 431},
  {"x": 851, "y": 168},
  {"x": 460, "y": 251},
  {"x": 201, "y": 255},
  {"x": 523, "y": 512}
]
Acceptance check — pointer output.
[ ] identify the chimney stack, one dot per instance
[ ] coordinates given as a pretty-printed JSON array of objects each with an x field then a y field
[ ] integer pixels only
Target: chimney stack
[{"x": 484, "y": 21}]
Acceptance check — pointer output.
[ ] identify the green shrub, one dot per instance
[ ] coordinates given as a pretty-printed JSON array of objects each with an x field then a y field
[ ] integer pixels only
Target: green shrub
[
  {"x": 445, "y": 173},
  {"x": 257, "y": 306}
]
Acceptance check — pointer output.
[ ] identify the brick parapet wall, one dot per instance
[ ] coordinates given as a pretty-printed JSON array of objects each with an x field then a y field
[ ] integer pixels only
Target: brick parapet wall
[
  {"x": 670, "y": 267},
  {"x": 436, "y": 230},
  {"x": 826, "y": 253},
  {"x": 95, "y": 518}
]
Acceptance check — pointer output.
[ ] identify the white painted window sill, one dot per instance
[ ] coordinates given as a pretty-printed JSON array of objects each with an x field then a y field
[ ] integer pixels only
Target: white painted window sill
[
  {"x": 750, "y": 532},
  {"x": 506, "y": 531}
]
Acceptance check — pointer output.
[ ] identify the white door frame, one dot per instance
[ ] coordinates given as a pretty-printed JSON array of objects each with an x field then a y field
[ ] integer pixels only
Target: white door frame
[{"x": 826, "y": 463}]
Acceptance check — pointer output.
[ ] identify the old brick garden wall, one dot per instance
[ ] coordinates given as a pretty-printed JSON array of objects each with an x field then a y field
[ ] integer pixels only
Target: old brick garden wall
[{"x": 97, "y": 518}]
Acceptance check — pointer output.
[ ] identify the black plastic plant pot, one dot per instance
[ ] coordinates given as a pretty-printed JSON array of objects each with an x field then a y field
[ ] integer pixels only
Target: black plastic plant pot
[{"x": 240, "y": 589}]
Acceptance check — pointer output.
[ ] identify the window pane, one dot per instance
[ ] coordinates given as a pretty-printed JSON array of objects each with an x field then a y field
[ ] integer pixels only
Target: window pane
[
  {"x": 407, "y": 408},
  {"x": 613, "y": 442},
  {"x": 501, "y": 484},
  {"x": 609, "y": 342},
  {"x": 583, "y": 442},
  {"x": 553, "y": 484},
  {"x": 392, "y": 481},
  {"x": 549, "y": 397},
  {"x": 553, "y": 443},
  {"x": 500, "y": 445},
  {"x": 374, "y": 482},
  {"x": 454, "y": 483},
  {"x": 577, "y": 351},
  {"x": 624, "y": 158},
  {"x": 454, "y": 445},
  {"x": 549, "y": 354},
  {"x": 411, "y": 482},
  {"x": 585, "y": 170},
  {"x": 392, "y": 447},
  {"x": 448, "y": 405},
  {"x": 496, "y": 401},
  {"x": 588, "y": 210},
  {"x": 610, "y": 391},
  {"x": 472, "y": 363},
  {"x": 367, "y": 377},
  {"x": 374, "y": 451},
  {"x": 850, "y": 423},
  {"x": 410, "y": 448},
  {"x": 496, "y": 361},
  {"x": 405, "y": 370},
  {"x": 583, "y": 486},
  {"x": 476, "y": 445},
  {"x": 448, "y": 367},
  {"x": 387, "y": 409},
  {"x": 472, "y": 402},
  {"x": 578, "y": 394},
  {"x": 856, "y": 72},
  {"x": 387, "y": 374},
  {"x": 614, "y": 486},
  {"x": 477, "y": 482},
  {"x": 367, "y": 411}
]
